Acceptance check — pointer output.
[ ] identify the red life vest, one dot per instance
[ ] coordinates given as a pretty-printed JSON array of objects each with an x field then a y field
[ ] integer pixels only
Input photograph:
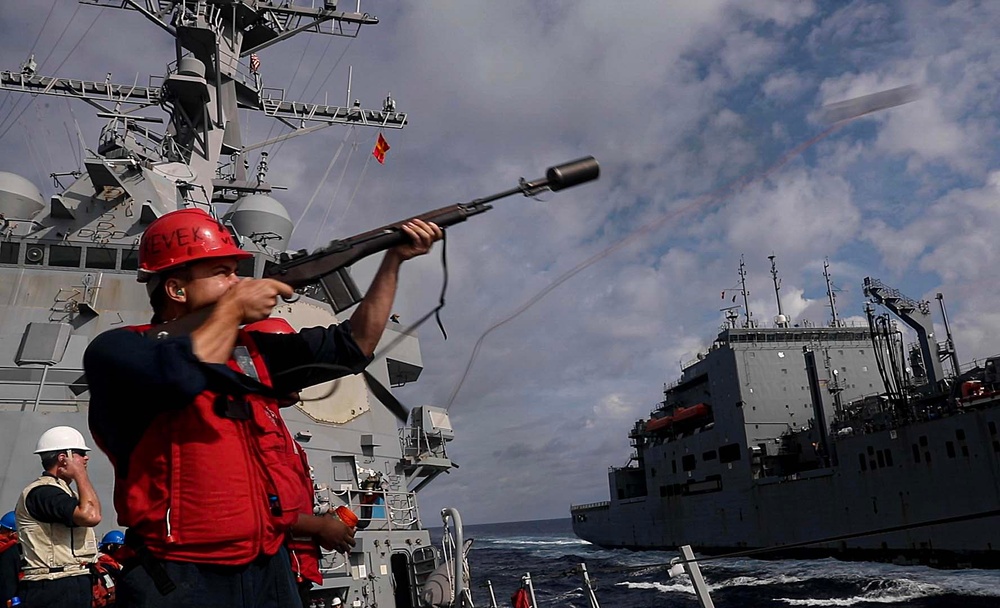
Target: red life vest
[
  {"x": 104, "y": 575},
  {"x": 304, "y": 553},
  {"x": 8, "y": 541},
  {"x": 200, "y": 484}
]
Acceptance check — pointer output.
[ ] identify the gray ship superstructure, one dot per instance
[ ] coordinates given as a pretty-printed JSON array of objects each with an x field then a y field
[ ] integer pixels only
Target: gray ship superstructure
[
  {"x": 68, "y": 265},
  {"x": 816, "y": 441}
]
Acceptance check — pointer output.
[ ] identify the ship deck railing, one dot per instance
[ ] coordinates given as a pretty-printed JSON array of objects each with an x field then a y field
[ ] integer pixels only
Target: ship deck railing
[
  {"x": 384, "y": 509},
  {"x": 591, "y": 506}
]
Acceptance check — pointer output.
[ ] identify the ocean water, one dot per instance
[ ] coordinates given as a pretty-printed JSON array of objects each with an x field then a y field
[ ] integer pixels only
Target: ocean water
[{"x": 548, "y": 550}]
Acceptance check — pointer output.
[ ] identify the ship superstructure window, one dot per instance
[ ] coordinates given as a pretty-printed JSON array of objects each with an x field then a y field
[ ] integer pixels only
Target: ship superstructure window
[
  {"x": 244, "y": 268},
  {"x": 709, "y": 455},
  {"x": 9, "y": 252},
  {"x": 130, "y": 259},
  {"x": 960, "y": 434},
  {"x": 949, "y": 447},
  {"x": 101, "y": 258},
  {"x": 729, "y": 453},
  {"x": 65, "y": 256},
  {"x": 863, "y": 462},
  {"x": 916, "y": 453},
  {"x": 688, "y": 462}
]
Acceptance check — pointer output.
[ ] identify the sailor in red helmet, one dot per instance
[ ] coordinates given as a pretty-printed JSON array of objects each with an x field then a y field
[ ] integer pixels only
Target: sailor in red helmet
[{"x": 188, "y": 420}]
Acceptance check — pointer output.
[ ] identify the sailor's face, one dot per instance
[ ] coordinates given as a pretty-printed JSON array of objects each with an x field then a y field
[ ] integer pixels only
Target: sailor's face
[{"x": 210, "y": 280}]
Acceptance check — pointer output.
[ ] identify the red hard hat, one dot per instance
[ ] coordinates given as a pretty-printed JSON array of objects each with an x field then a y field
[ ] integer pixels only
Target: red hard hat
[
  {"x": 271, "y": 325},
  {"x": 184, "y": 236}
]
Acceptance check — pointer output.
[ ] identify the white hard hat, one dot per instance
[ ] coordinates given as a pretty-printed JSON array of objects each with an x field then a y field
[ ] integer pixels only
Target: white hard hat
[{"x": 60, "y": 438}]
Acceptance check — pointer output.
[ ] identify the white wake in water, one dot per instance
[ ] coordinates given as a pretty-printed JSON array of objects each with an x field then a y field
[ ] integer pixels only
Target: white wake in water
[
  {"x": 898, "y": 591},
  {"x": 678, "y": 587}
]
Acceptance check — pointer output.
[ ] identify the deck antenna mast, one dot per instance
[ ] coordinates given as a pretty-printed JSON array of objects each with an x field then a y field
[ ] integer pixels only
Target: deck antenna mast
[
  {"x": 781, "y": 320},
  {"x": 350, "y": 77},
  {"x": 835, "y": 322},
  {"x": 745, "y": 293}
]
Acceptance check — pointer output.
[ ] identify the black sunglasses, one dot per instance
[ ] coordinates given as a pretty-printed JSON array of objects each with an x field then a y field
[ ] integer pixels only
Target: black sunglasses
[{"x": 79, "y": 452}]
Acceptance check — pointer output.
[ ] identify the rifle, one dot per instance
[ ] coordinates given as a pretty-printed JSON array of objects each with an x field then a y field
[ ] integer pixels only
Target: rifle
[{"x": 328, "y": 266}]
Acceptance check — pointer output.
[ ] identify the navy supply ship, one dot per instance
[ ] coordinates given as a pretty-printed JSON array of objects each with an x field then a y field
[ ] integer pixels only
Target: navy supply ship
[
  {"x": 808, "y": 441},
  {"x": 68, "y": 272}
]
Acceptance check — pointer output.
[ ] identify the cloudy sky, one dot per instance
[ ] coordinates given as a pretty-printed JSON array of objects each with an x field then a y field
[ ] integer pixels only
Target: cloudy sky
[{"x": 679, "y": 101}]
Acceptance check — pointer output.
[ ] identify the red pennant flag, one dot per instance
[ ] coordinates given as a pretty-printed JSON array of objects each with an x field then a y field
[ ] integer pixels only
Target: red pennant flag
[{"x": 381, "y": 147}]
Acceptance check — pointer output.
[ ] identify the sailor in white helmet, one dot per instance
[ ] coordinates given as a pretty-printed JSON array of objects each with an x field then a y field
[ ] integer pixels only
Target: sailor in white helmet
[{"x": 56, "y": 524}]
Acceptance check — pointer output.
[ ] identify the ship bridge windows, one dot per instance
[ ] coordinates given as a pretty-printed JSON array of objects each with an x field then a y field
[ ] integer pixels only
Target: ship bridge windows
[
  {"x": 101, "y": 258},
  {"x": 9, "y": 252},
  {"x": 245, "y": 267},
  {"x": 130, "y": 259},
  {"x": 65, "y": 256},
  {"x": 688, "y": 462},
  {"x": 709, "y": 455}
]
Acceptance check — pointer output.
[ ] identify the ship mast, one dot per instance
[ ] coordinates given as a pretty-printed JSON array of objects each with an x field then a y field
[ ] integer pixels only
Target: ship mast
[
  {"x": 745, "y": 293},
  {"x": 215, "y": 74},
  {"x": 829, "y": 294},
  {"x": 781, "y": 320}
]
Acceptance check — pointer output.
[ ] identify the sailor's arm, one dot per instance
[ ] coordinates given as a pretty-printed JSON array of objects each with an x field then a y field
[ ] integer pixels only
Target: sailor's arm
[
  {"x": 333, "y": 534},
  {"x": 88, "y": 512},
  {"x": 369, "y": 320},
  {"x": 247, "y": 301}
]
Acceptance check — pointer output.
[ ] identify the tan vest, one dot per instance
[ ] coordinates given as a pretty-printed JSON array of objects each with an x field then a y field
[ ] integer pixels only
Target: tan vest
[{"x": 52, "y": 551}]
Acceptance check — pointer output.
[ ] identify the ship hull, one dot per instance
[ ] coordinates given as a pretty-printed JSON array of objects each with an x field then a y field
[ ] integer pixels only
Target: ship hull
[
  {"x": 923, "y": 490},
  {"x": 928, "y": 481}
]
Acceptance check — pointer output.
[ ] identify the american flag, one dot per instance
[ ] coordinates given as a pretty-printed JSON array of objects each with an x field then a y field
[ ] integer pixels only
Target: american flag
[{"x": 254, "y": 63}]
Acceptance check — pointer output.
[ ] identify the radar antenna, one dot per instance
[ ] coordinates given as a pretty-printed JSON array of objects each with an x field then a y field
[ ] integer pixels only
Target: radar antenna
[
  {"x": 834, "y": 321},
  {"x": 781, "y": 320},
  {"x": 746, "y": 294}
]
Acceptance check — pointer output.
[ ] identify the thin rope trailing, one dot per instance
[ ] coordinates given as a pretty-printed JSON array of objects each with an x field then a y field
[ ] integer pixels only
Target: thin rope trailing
[
  {"x": 408, "y": 331},
  {"x": 319, "y": 185},
  {"x": 713, "y": 196}
]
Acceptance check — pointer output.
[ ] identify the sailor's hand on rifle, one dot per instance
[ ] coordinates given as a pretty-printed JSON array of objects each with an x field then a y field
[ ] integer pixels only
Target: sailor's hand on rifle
[
  {"x": 422, "y": 236},
  {"x": 254, "y": 299}
]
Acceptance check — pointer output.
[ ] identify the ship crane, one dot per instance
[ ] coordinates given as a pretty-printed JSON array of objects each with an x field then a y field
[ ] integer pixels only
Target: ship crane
[{"x": 916, "y": 315}]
